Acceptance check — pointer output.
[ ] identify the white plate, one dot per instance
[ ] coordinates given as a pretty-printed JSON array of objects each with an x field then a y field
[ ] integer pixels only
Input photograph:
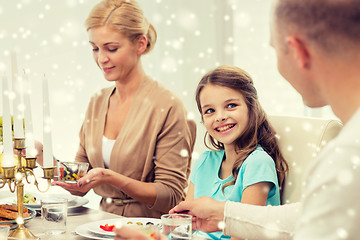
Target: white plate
[
  {"x": 13, "y": 200},
  {"x": 77, "y": 202},
  {"x": 73, "y": 201},
  {"x": 82, "y": 231},
  {"x": 93, "y": 230}
]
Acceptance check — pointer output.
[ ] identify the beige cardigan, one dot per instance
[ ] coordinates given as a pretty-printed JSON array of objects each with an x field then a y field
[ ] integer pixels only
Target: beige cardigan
[{"x": 149, "y": 147}]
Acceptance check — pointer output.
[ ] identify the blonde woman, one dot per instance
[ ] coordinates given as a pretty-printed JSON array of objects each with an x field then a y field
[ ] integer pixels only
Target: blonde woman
[{"x": 135, "y": 132}]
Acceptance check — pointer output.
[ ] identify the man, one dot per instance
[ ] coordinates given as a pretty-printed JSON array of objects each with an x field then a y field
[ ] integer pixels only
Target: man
[{"x": 318, "y": 50}]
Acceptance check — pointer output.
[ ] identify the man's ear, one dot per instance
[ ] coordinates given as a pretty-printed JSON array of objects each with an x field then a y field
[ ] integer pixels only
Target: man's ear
[
  {"x": 141, "y": 44},
  {"x": 299, "y": 50}
]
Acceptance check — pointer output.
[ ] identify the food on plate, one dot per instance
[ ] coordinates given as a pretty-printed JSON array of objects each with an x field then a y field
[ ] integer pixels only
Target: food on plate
[
  {"x": 13, "y": 207},
  {"x": 107, "y": 227},
  {"x": 147, "y": 227},
  {"x": 138, "y": 223},
  {"x": 29, "y": 198},
  {"x": 9, "y": 212}
]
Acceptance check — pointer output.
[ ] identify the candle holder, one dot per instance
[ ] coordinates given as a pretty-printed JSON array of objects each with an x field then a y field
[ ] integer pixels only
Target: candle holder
[{"x": 13, "y": 176}]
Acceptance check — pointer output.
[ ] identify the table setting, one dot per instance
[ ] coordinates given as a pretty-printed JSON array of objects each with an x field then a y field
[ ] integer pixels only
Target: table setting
[
  {"x": 174, "y": 226},
  {"x": 102, "y": 229},
  {"x": 37, "y": 197},
  {"x": 81, "y": 222},
  {"x": 47, "y": 211},
  {"x": 73, "y": 201},
  {"x": 11, "y": 221}
]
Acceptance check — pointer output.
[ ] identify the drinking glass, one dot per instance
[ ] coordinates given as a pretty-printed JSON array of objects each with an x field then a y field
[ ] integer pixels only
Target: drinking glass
[
  {"x": 177, "y": 226},
  {"x": 4, "y": 232},
  {"x": 54, "y": 214}
]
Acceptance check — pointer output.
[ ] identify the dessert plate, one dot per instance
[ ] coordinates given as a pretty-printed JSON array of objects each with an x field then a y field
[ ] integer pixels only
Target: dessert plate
[{"x": 93, "y": 230}]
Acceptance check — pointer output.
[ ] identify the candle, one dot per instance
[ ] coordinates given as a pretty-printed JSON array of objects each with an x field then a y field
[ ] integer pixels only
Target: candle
[
  {"x": 29, "y": 133},
  {"x": 47, "y": 140},
  {"x": 17, "y": 106},
  {"x": 8, "y": 159}
]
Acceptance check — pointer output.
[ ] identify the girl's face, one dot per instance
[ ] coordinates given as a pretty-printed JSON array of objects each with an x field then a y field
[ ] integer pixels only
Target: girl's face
[
  {"x": 115, "y": 55},
  {"x": 224, "y": 112}
]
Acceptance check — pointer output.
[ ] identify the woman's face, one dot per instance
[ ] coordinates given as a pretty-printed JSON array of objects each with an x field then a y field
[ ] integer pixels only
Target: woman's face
[
  {"x": 225, "y": 113},
  {"x": 113, "y": 52}
]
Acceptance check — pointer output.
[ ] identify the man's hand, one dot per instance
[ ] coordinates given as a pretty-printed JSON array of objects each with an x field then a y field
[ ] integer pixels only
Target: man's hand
[{"x": 206, "y": 212}]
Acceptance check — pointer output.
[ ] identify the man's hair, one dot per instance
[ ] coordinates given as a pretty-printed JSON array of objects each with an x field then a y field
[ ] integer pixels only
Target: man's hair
[{"x": 324, "y": 22}]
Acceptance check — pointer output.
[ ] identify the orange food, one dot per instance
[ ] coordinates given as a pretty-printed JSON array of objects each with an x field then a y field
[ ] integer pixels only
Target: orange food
[{"x": 10, "y": 212}]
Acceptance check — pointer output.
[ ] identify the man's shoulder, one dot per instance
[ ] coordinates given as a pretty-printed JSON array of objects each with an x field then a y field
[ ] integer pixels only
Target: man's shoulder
[{"x": 349, "y": 135}]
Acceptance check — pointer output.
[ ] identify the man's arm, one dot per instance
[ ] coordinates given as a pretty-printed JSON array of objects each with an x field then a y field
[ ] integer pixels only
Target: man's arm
[{"x": 259, "y": 222}]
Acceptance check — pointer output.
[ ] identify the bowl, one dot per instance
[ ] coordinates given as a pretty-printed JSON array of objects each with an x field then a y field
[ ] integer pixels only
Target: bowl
[{"x": 71, "y": 172}]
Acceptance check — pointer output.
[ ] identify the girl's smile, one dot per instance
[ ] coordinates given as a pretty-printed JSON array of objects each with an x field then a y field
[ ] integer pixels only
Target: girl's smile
[
  {"x": 225, "y": 128},
  {"x": 224, "y": 112}
]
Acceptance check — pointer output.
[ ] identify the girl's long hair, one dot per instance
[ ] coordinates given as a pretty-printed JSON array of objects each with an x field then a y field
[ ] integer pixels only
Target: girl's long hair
[{"x": 259, "y": 129}]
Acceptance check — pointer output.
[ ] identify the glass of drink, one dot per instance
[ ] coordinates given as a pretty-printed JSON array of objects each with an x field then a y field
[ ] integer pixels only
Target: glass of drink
[
  {"x": 177, "y": 226},
  {"x": 54, "y": 214},
  {"x": 4, "y": 231}
]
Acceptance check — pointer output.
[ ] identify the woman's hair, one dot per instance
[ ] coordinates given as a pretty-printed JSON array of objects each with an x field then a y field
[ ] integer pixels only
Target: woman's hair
[
  {"x": 258, "y": 131},
  {"x": 124, "y": 16}
]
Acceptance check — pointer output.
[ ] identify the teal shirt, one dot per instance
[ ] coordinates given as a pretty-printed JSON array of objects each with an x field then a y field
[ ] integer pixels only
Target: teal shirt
[{"x": 257, "y": 167}]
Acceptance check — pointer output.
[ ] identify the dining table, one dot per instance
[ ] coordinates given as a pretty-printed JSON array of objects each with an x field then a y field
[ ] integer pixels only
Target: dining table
[
  {"x": 82, "y": 214},
  {"x": 76, "y": 216}
]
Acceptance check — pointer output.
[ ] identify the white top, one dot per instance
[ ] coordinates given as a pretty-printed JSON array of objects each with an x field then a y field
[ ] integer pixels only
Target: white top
[
  {"x": 258, "y": 222},
  {"x": 107, "y": 146},
  {"x": 330, "y": 209}
]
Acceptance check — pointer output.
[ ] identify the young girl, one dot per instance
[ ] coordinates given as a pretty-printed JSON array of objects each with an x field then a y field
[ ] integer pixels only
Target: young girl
[{"x": 246, "y": 165}]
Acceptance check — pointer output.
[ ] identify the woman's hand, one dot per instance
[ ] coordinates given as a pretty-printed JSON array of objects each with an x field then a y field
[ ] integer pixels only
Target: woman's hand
[
  {"x": 73, "y": 188},
  {"x": 93, "y": 178}
]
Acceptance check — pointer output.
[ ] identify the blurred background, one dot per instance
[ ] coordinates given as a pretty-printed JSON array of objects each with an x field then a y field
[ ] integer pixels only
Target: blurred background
[{"x": 194, "y": 37}]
